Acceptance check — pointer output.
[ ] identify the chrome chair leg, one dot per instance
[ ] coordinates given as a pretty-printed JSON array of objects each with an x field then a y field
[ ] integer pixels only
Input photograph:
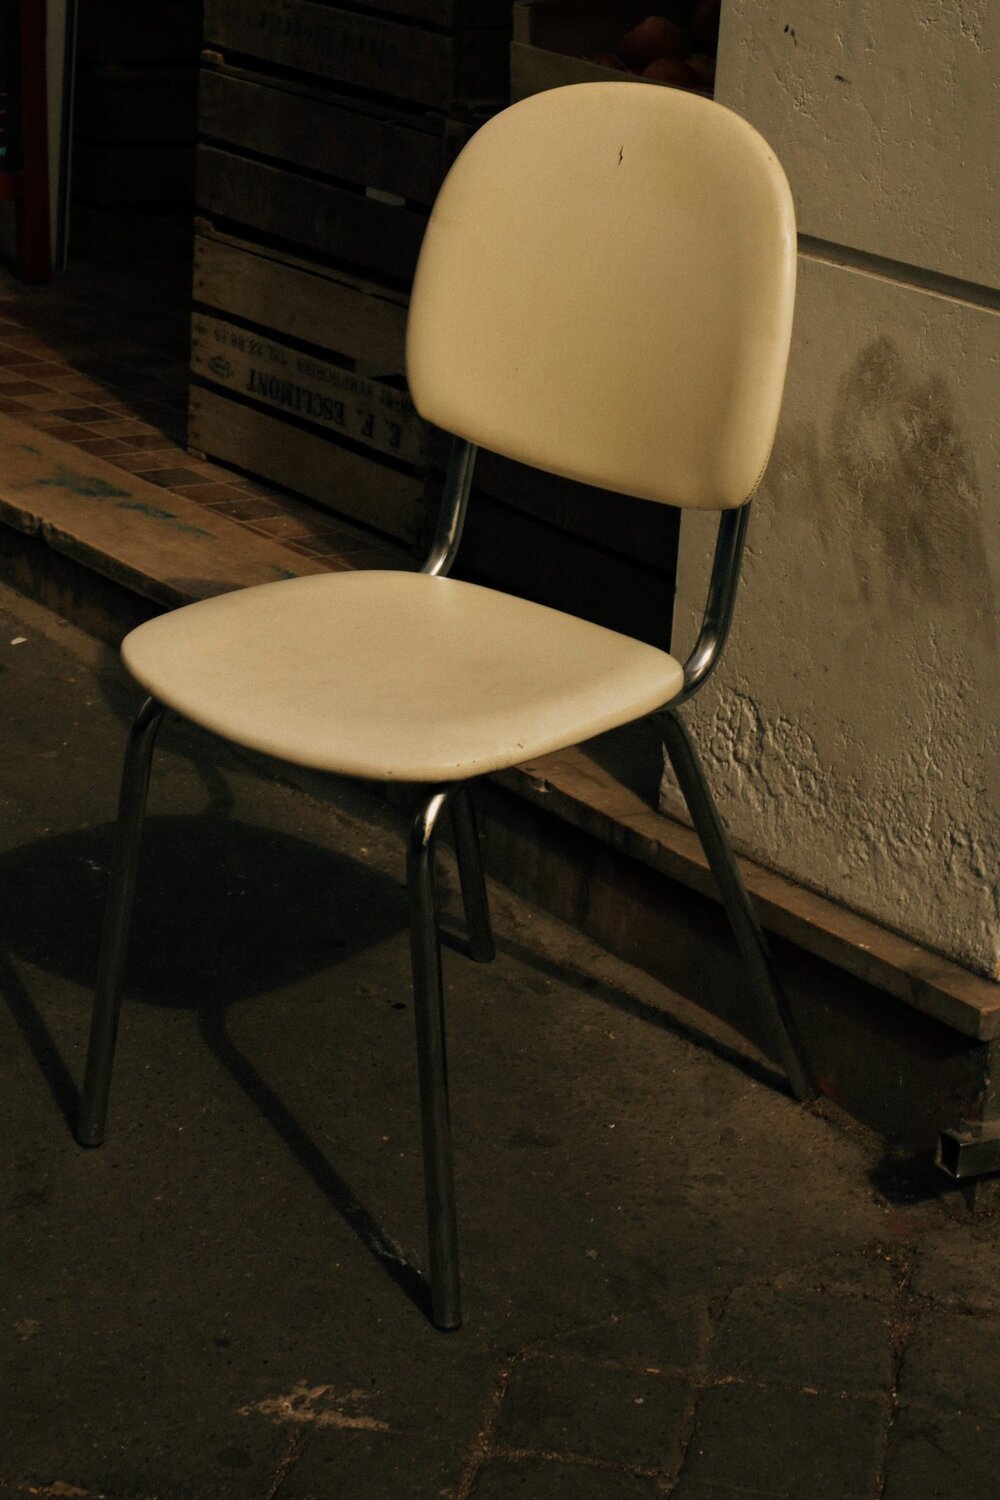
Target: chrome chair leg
[
  {"x": 470, "y": 870},
  {"x": 425, "y": 948},
  {"x": 739, "y": 909},
  {"x": 117, "y": 919}
]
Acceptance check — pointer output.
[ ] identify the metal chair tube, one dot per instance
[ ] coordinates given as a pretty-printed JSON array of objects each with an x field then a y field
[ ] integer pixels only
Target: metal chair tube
[
  {"x": 720, "y": 604},
  {"x": 736, "y": 900},
  {"x": 117, "y": 920},
  {"x": 439, "y": 1184},
  {"x": 454, "y": 504}
]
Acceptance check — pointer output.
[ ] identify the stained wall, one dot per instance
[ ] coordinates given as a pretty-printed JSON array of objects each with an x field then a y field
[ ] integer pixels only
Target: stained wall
[{"x": 852, "y": 732}]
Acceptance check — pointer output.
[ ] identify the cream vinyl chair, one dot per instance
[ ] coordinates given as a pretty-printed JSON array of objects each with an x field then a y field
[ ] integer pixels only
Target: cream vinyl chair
[{"x": 605, "y": 291}]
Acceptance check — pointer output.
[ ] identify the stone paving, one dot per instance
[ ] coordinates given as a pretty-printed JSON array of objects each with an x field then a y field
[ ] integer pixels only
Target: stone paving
[{"x": 678, "y": 1282}]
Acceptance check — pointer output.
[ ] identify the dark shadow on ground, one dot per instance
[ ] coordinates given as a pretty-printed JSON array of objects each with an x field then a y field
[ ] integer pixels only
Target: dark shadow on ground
[
  {"x": 620, "y": 999},
  {"x": 224, "y": 911}
]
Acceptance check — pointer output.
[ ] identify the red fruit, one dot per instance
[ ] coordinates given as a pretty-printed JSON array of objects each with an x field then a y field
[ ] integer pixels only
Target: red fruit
[
  {"x": 653, "y": 38},
  {"x": 671, "y": 70},
  {"x": 705, "y": 24}
]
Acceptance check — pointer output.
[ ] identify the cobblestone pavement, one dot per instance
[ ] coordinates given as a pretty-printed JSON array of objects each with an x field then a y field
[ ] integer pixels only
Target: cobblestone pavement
[{"x": 678, "y": 1282}]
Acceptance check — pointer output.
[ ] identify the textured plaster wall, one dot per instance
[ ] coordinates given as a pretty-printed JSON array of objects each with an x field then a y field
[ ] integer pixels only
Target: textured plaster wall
[
  {"x": 852, "y": 732},
  {"x": 885, "y": 114}
]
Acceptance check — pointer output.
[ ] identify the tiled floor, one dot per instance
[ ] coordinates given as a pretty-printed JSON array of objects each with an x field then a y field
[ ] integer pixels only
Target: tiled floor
[{"x": 99, "y": 358}]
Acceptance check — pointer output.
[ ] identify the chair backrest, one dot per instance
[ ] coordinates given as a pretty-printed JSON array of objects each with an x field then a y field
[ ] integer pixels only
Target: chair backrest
[{"x": 605, "y": 291}]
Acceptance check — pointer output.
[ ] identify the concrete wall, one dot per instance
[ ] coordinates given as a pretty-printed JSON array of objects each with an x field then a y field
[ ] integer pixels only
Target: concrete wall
[
  {"x": 852, "y": 731},
  {"x": 884, "y": 114}
]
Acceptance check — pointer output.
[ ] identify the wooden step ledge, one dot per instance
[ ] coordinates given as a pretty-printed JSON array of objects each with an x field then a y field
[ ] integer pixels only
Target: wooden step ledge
[
  {"x": 574, "y": 787},
  {"x": 163, "y": 546}
]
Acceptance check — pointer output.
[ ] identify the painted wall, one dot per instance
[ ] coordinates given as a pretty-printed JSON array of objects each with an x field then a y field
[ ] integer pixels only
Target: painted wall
[{"x": 852, "y": 731}]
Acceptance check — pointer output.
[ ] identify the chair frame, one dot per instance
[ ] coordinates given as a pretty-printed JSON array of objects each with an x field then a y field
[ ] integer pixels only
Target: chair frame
[{"x": 425, "y": 945}]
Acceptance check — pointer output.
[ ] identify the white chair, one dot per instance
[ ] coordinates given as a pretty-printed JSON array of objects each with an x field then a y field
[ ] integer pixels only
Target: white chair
[{"x": 605, "y": 291}]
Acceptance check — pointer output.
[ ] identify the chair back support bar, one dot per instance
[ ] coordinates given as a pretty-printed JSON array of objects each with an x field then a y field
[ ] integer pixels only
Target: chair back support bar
[
  {"x": 720, "y": 602},
  {"x": 454, "y": 504}
]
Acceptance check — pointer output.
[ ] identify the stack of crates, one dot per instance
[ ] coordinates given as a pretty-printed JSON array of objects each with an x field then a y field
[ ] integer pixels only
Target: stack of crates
[{"x": 325, "y": 134}]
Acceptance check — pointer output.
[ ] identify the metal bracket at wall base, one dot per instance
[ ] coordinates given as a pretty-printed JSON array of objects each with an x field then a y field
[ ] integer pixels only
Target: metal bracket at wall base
[{"x": 970, "y": 1153}]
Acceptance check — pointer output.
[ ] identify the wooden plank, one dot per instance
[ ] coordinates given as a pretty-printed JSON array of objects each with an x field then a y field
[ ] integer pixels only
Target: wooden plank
[
  {"x": 343, "y": 480},
  {"x": 274, "y": 374},
  {"x": 133, "y": 174},
  {"x": 518, "y": 552},
  {"x": 335, "y": 221},
  {"x": 147, "y": 106},
  {"x": 325, "y": 134},
  {"x": 410, "y": 62},
  {"x": 293, "y": 297},
  {"x": 639, "y": 530}
]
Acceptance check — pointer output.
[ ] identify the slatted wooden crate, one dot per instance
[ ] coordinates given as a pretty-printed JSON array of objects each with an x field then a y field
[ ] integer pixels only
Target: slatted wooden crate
[
  {"x": 608, "y": 558},
  {"x": 298, "y": 379},
  {"x": 326, "y": 130},
  {"x": 266, "y": 400},
  {"x": 443, "y": 54},
  {"x": 345, "y": 180}
]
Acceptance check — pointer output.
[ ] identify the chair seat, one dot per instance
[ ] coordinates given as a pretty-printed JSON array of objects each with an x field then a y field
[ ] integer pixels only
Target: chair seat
[{"x": 395, "y": 676}]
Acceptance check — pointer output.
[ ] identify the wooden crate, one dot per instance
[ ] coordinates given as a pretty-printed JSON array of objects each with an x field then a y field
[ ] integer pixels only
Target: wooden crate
[
  {"x": 292, "y": 381},
  {"x": 298, "y": 379},
  {"x": 307, "y": 214},
  {"x": 339, "y": 429},
  {"x": 346, "y": 181},
  {"x": 553, "y": 39},
  {"x": 293, "y": 296},
  {"x": 609, "y": 558},
  {"x": 364, "y": 144},
  {"x": 306, "y": 462},
  {"x": 446, "y": 70}
]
